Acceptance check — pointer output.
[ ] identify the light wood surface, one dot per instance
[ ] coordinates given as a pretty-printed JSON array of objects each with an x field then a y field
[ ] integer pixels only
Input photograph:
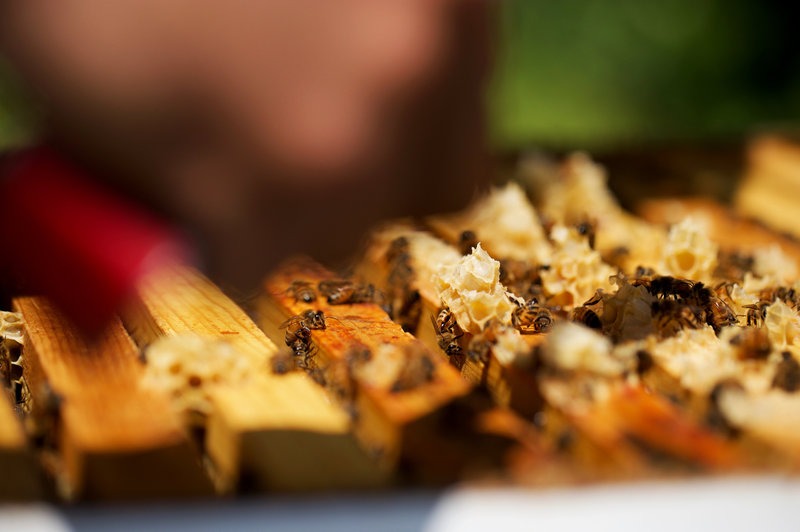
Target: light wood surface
[
  {"x": 771, "y": 186},
  {"x": 272, "y": 432},
  {"x": 116, "y": 440}
]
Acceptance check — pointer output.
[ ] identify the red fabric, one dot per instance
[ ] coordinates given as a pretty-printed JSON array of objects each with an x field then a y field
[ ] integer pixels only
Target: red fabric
[{"x": 69, "y": 238}]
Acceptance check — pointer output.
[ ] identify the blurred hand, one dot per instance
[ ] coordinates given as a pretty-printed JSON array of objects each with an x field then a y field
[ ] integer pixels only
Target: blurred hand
[{"x": 265, "y": 127}]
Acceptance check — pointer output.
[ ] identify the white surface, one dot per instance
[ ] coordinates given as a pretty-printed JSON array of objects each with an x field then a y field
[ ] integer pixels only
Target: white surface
[
  {"x": 32, "y": 518},
  {"x": 732, "y": 505}
]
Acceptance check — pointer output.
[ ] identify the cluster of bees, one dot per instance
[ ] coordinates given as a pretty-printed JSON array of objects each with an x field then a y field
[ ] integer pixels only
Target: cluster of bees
[
  {"x": 529, "y": 315},
  {"x": 678, "y": 304},
  {"x": 417, "y": 370},
  {"x": 674, "y": 304},
  {"x": 684, "y": 330},
  {"x": 404, "y": 305}
]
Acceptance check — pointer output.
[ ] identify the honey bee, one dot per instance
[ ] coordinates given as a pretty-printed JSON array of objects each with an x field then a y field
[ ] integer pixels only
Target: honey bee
[
  {"x": 588, "y": 317},
  {"x": 303, "y": 352},
  {"x": 337, "y": 291},
  {"x": 404, "y": 304},
  {"x": 616, "y": 256},
  {"x": 644, "y": 361},
  {"x": 400, "y": 279},
  {"x": 787, "y": 374},
  {"x": 5, "y": 372},
  {"x": 724, "y": 289},
  {"x": 589, "y": 230},
  {"x": 753, "y": 344},
  {"x": 701, "y": 304},
  {"x": 418, "y": 370},
  {"x": 317, "y": 375},
  {"x": 467, "y": 241},
  {"x": 512, "y": 270},
  {"x": 399, "y": 249},
  {"x": 343, "y": 292},
  {"x": 530, "y": 318},
  {"x": 666, "y": 287},
  {"x": 733, "y": 266},
  {"x": 671, "y": 316},
  {"x": 479, "y": 349},
  {"x": 715, "y": 417},
  {"x": 756, "y": 313},
  {"x": 356, "y": 355},
  {"x": 787, "y": 295},
  {"x": 644, "y": 271},
  {"x": 521, "y": 278},
  {"x": 340, "y": 377},
  {"x": 409, "y": 311},
  {"x": 302, "y": 291},
  {"x": 314, "y": 319},
  {"x": 298, "y": 333},
  {"x": 283, "y": 362},
  {"x": 447, "y": 332},
  {"x": 398, "y": 258},
  {"x": 718, "y": 313}
]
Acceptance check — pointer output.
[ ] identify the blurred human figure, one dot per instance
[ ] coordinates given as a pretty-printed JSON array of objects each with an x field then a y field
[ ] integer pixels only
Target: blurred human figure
[{"x": 264, "y": 128}]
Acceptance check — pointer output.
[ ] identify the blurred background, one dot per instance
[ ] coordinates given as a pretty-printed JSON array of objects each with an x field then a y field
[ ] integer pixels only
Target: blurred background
[{"x": 599, "y": 75}]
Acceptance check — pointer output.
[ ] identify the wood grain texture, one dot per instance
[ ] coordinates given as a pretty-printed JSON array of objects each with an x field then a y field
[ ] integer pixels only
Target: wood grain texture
[
  {"x": 20, "y": 476},
  {"x": 271, "y": 432},
  {"x": 116, "y": 439},
  {"x": 389, "y": 423}
]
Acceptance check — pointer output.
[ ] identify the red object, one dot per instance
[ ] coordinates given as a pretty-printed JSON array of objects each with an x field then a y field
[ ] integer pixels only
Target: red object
[{"x": 71, "y": 239}]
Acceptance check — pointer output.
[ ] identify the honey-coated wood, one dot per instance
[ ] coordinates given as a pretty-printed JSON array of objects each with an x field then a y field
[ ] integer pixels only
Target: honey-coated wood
[{"x": 115, "y": 439}]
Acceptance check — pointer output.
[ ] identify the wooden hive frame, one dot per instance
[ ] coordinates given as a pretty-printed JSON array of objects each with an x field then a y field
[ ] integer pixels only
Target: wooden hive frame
[
  {"x": 771, "y": 183},
  {"x": 115, "y": 439},
  {"x": 598, "y": 446},
  {"x": 273, "y": 432},
  {"x": 406, "y": 428}
]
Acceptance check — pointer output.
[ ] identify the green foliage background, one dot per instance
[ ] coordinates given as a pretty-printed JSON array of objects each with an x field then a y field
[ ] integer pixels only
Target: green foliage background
[{"x": 597, "y": 73}]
